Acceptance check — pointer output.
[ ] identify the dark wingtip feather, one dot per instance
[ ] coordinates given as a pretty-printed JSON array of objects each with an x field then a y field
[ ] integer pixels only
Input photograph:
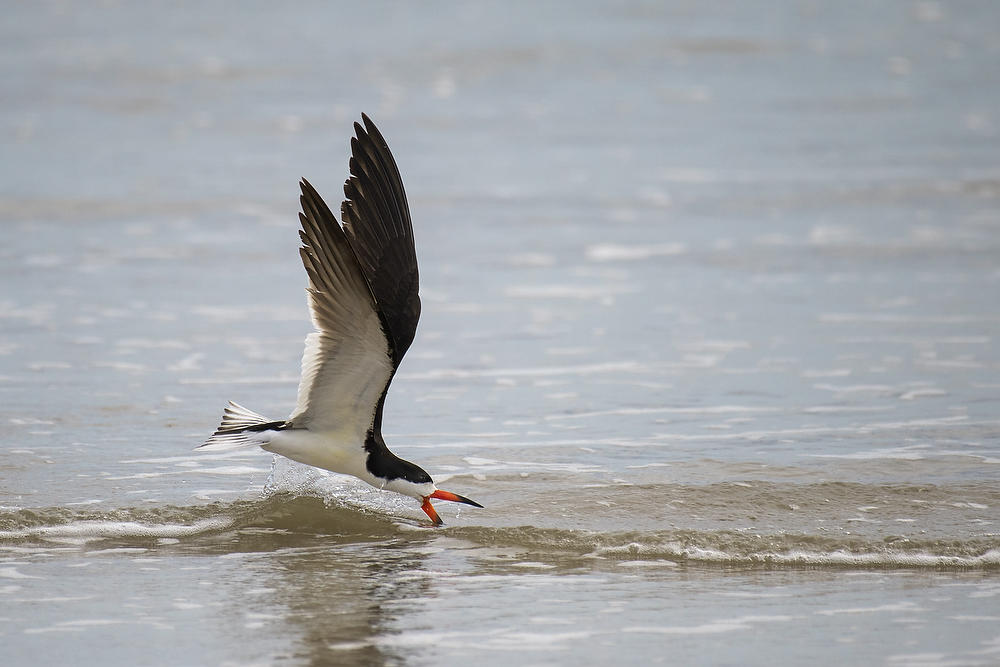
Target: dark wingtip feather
[
  {"x": 307, "y": 189},
  {"x": 376, "y": 219},
  {"x": 373, "y": 133}
]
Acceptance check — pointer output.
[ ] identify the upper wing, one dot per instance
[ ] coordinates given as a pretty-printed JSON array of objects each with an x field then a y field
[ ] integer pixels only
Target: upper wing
[
  {"x": 377, "y": 221},
  {"x": 347, "y": 363}
]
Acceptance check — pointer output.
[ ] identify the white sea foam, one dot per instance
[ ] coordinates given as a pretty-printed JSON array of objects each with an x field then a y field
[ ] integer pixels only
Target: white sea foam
[
  {"x": 936, "y": 422},
  {"x": 152, "y": 344},
  {"x": 229, "y": 470},
  {"x": 856, "y": 388},
  {"x": 712, "y": 627},
  {"x": 197, "y": 458},
  {"x": 531, "y": 259},
  {"x": 693, "y": 410},
  {"x": 533, "y": 371},
  {"x": 647, "y": 563},
  {"x": 276, "y": 379},
  {"x": 905, "y": 453},
  {"x": 581, "y": 292},
  {"x": 797, "y": 557},
  {"x": 499, "y": 639},
  {"x": 612, "y": 252},
  {"x": 919, "y": 341},
  {"x": 13, "y": 573},
  {"x": 97, "y": 529},
  {"x": 895, "y": 318},
  {"x": 191, "y": 362},
  {"x": 846, "y": 409},
  {"x": 905, "y": 606}
]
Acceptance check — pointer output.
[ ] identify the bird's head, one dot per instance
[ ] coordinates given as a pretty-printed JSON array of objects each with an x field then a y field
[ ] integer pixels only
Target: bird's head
[{"x": 415, "y": 482}]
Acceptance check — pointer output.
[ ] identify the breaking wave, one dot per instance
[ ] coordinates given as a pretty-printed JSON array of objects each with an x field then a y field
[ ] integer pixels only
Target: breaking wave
[{"x": 284, "y": 520}]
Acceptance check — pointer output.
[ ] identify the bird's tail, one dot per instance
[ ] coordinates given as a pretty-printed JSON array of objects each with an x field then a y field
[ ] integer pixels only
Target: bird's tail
[{"x": 240, "y": 428}]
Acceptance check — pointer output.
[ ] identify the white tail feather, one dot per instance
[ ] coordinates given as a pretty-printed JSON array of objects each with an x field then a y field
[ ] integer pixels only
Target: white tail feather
[{"x": 233, "y": 432}]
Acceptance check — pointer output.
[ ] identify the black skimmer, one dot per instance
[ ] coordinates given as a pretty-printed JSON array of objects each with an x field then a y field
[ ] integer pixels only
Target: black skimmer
[{"x": 364, "y": 303}]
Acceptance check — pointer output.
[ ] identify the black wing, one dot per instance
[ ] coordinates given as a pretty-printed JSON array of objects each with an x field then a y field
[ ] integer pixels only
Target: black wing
[{"x": 377, "y": 221}]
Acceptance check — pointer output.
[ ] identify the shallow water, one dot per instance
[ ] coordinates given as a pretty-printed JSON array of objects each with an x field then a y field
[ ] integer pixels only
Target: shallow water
[{"x": 709, "y": 327}]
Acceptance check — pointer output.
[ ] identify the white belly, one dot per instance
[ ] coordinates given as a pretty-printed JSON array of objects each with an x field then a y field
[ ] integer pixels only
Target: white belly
[{"x": 330, "y": 450}]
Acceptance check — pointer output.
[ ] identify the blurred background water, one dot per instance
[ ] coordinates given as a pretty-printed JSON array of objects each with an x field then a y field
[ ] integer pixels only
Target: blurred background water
[{"x": 710, "y": 318}]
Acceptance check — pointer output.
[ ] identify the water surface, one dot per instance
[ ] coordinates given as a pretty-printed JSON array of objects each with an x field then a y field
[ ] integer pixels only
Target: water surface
[{"x": 709, "y": 327}]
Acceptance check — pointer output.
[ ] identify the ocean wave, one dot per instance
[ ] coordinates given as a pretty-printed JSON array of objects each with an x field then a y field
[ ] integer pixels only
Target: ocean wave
[{"x": 284, "y": 520}]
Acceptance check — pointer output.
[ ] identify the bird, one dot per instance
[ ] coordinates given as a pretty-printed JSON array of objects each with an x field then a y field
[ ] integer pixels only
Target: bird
[{"x": 363, "y": 295}]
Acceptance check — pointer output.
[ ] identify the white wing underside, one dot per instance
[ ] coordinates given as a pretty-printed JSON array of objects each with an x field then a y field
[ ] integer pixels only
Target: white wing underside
[
  {"x": 342, "y": 381},
  {"x": 346, "y": 364}
]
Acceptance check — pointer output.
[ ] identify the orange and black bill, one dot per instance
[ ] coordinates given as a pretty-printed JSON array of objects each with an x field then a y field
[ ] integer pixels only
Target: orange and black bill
[{"x": 443, "y": 495}]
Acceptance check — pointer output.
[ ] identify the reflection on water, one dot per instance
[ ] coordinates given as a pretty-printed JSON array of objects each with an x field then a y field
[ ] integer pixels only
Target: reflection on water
[{"x": 337, "y": 597}]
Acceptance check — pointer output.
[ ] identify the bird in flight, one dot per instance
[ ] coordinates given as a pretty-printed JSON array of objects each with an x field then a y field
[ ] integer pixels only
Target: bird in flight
[{"x": 364, "y": 302}]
